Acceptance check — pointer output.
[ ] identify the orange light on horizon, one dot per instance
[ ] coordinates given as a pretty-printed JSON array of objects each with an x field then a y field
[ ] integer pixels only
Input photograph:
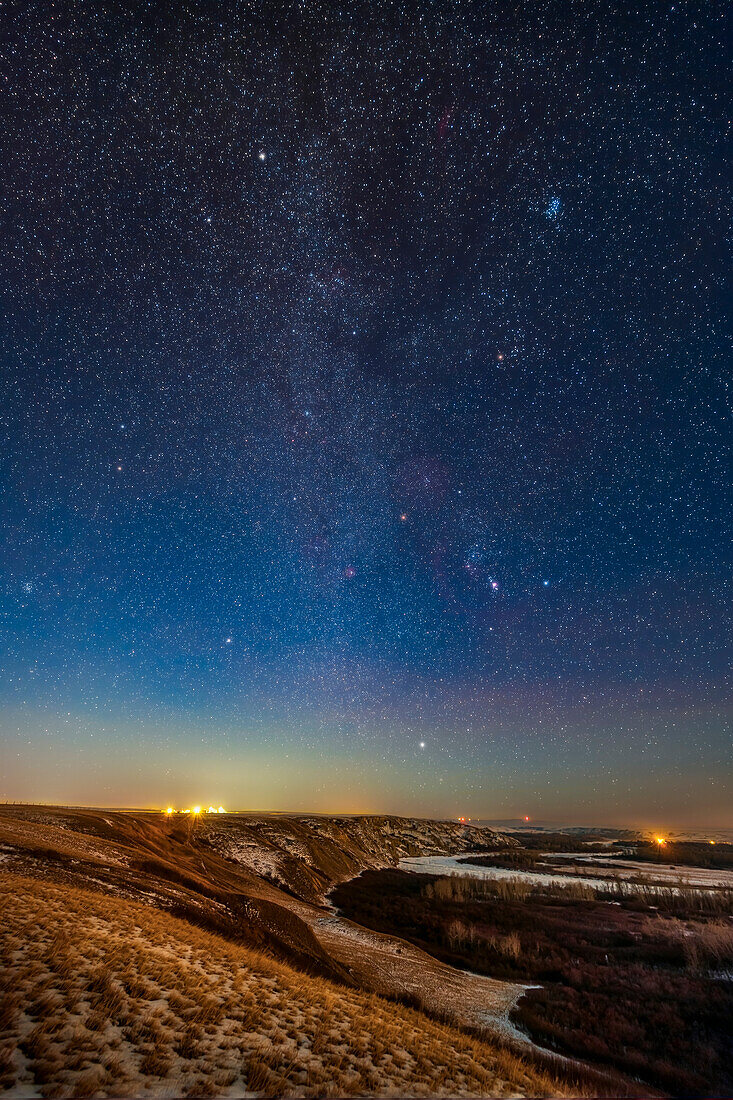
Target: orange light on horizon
[
  {"x": 197, "y": 810},
  {"x": 661, "y": 840},
  {"x": 526, "y": 817},
  {"x": 170, "y": 810}
]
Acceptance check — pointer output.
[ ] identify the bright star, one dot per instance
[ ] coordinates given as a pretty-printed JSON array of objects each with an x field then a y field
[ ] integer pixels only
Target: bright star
[{"x": 422, "y": 744}]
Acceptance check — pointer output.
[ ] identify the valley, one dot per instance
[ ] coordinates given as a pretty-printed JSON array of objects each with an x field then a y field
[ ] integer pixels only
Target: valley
[
  {"x": 126, "y": 935},
  {"x": 117, "y": 923},
  {"x": 635, "y": 976}
]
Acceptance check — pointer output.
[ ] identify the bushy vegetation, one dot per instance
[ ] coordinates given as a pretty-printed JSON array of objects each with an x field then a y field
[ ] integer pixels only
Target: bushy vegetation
[
  {"x": 684, "y": 853},
  {"x": 511, "y": 858},
  {"x": 622, "y": 984},
  {"x": 565, "y": 842},
  {"x": 681, "y": 853},
  {"x": 680, "y": 899},
  {"x": 687, "y": 853}
]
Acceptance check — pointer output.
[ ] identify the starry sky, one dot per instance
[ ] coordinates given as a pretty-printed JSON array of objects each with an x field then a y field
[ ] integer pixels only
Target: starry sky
[{"x": 363, "y": 407}]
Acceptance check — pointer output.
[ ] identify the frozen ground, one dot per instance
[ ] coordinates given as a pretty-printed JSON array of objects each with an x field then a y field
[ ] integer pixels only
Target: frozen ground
[
  {"x": 398, "y": 966},
  {"x": 658, "y": 872},
  {"x": 597, "y": 876}
]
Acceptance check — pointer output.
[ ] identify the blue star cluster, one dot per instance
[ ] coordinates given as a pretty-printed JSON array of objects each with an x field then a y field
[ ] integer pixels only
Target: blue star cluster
[{"x": 364, "y": 406}]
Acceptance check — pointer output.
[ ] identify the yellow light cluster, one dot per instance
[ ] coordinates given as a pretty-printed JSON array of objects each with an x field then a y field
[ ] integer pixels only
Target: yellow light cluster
[{"x": 195, "y": 810}]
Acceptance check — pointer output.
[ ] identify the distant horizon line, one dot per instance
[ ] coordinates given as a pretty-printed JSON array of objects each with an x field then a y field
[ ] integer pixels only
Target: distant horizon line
[{"x": 507, "y": 822}]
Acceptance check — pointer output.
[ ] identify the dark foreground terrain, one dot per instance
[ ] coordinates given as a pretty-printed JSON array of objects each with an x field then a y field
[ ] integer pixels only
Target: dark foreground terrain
[
  {"x": 622, "y": 983},
  {"x": 157, "y": 956}
]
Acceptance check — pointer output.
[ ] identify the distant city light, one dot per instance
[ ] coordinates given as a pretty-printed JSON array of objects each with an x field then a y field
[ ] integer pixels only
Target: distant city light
[{"x": 196, "y": 810}]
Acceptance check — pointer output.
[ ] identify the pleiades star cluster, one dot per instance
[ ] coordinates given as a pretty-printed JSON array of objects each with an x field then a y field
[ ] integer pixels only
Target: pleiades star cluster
[{"x": 364, "y": 406}]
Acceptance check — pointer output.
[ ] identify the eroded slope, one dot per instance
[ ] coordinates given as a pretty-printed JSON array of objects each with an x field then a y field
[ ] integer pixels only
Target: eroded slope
[{"x": 106, "y": 996}]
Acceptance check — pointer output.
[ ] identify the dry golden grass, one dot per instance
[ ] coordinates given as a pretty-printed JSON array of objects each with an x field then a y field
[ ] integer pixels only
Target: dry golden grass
[
  {"x": 705, "y": 947},
  {"x": 107, "y": 997}
]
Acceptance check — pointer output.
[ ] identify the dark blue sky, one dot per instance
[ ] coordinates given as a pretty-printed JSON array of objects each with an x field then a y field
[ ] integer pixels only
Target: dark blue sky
[{"x": 364, "y": 404}]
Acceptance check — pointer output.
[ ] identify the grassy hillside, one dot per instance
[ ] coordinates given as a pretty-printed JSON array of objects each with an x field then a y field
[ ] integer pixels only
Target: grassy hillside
[
  {"x": 106, "y": 996},
  {"x": 147, "y": 955}
]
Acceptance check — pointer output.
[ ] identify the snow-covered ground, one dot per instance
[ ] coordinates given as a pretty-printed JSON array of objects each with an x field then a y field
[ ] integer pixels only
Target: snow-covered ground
[
  {"x": 401, "y": 967},
  {"x": 129, "y": 1001},
  {"x": 597, "y": 877},
  {"x": 450, "y": 865},
  {"x": 659, "y": 872}
]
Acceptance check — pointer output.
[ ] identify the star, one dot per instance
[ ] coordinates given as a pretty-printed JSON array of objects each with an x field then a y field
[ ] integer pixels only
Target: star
[{"x": 464, "y": 334}]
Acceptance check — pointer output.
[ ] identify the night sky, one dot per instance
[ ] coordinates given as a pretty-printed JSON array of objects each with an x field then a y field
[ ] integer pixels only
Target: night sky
[{"x": 363, "y": 405}]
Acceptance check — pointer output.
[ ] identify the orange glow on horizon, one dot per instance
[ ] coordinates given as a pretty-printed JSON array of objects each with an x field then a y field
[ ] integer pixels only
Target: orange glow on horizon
[{"x": 196, "y": 810}]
